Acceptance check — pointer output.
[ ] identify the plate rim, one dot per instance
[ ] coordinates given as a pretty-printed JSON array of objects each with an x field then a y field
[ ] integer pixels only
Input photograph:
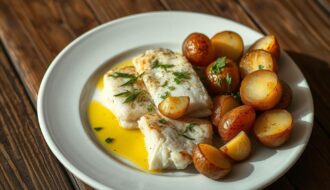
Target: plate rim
[{"x": 88, "y": 179}]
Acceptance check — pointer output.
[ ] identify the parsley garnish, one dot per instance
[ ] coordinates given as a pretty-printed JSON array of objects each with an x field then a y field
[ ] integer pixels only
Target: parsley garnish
[
  {"x": 261, "y": 67},
  {"x": 189, "y": 128},
  {"x": 109, "y": 140},
  {"x": 228, "y": 80},
  {"x": 98, "y": 128},
  {"x": 165, "y": 84},
  {"x": 181, "y": 76},
  {"x": 162, "y": 120},
  {"x": 157, "y": 64},
  {"x": 150, "y": 108},
  {"x": 187, "y": 137},
  {"x": 167, "y": 94},
  {"x": 218, "y": 65},
  {"x": 130, "y": 95},
  {"x": 236, "y": 96},
  {"x": 132, "y": 80},
  {"x": 171, "y": 88}
]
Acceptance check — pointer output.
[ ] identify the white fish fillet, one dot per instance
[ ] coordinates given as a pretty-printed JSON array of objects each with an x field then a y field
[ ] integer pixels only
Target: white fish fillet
[
  {"x": 127, "y": 113},
  {"x": 170, "y": 143},
  {"x": 162, "y": 80}
]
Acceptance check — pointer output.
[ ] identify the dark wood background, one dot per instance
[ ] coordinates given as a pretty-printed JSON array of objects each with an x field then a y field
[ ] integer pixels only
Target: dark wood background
[{"x": 33, "y": 32}]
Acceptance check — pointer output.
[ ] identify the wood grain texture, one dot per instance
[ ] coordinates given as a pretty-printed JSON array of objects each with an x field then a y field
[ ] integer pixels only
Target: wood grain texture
[{"x": 25, "y": 160}]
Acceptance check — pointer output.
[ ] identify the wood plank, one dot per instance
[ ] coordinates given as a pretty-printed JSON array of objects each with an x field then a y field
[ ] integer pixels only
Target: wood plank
[
  {"x": 25, "y": 160},
  {"x": 224, "y": 8},
  {"x": 108, "y": 10}
]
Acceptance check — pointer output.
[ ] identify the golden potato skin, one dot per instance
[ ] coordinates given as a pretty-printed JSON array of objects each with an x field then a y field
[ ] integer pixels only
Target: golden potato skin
[
  {"x": 276, "y": 139},
  {"x": 286, "y": 98},
  {"x": 229, "y": 44},
  {"x": 217, "y": 83},
  {"x": 238, "y": 119},
  {"x": 207, "y": 168},
  {"x": 221, "y": 105},
  {"x": 257, "y": 60},
  {"x": 268, "y": 43},
  {"x": 197, "y": 48},
  {"x": 268, "y": 103}
]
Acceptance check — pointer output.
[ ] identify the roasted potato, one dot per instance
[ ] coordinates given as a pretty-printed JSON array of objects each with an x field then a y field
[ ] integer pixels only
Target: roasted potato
[
  {"x": 197, "y": 48},
  {"x": 229, "y": 44},
  {"x": 261, "y": 89},
  {"x": 272, "y": 128},
  {"x": 238, "y": 148},
  {"x": 268, "y": 43},
  {"x": 257, "y": 60},
  {"x": 286, "y": 98},
  {"x": 174, "y": 107},
  {"x": 238, "y": 119},
  {"x": 222, "y": 76},
  {"x": 210, "y": 161},
  {"x": 221, "y": 105}
]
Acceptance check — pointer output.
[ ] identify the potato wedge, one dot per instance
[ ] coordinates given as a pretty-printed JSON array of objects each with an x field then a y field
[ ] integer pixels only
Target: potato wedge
[
  {"x": 286, "y": 98},
  {"x": 268, "y": 43},
  {"x": 257, "y": 60},
  {"x": 273, "y": 128},
  {"x": 221, "y": 105},
  {"x": 197, "y": 48},
  {"x": 238, "y": 119},
  {"x": 174, "y": 107},
  {"x": 210, "y": 161},
  {"x": 222, "y": 76},
  {"x": 229, "y": 44},
  {"x": 238, "y": 148},
  {"x": 261, "y": 89}
]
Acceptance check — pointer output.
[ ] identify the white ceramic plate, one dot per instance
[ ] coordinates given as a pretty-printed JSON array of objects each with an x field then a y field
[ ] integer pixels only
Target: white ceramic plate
[{"x": 66, "y": 86}]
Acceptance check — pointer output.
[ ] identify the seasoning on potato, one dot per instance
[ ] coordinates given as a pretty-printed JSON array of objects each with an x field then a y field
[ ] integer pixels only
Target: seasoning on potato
[
  {"x": 238, "y": 119},
  {"x": 268, "y": 43},
  {"x": 222, "y": 76},
  {"x": 197, "y": 48},
  {"x": 261, "y": 89},
  {"x": 257, "y": 60},
  {"x": 273, "y": 128},
  {"x": 229, "y": 44},
  {"x": 210, "y": 161}
]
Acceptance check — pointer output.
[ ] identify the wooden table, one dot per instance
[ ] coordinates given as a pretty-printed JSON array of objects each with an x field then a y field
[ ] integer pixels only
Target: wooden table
[{"x": 33, "y": 32}]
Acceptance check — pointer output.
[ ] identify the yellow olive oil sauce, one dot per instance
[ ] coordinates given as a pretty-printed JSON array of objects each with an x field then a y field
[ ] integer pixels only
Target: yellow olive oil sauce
[{"x": 128, "y": 144}]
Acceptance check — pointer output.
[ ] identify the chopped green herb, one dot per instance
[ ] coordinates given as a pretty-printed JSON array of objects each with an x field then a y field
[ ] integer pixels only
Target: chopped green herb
[
  {"x": 181, "y": 76},
  {"x": 122, "y": 75},
  {"x": 218, "y": 65},
  {"x": 189, "y": 128},
  {"x": 167, "y": 94},
  {"x": 130, "y": 95},
  {"x": 98, "y": 128},
  {"x": 261, "y": 67},
  {"x": 228, "y": 80},
  {"x": 109, "y": 140},
  {"x": 219, "y": 81},
  {"x": 150, "y": 108},
  {"x": 165, "y": 84},
  {"x": 132, "y": 80},
  {"x": 162, "y": 120},
  {"x": 171, "y": 88},
  {"x": 187, "y": 137},
  {"x": 236, "y": 96},
  {"x": 157, "y": 64}
]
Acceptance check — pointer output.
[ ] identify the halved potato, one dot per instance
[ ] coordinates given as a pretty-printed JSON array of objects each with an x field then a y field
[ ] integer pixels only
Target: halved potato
[
  {"x": 229, "y": 44},
  {"x": 238, "y": 148},
  {"x": 238, "y": 119},
  {"x": 210, "y": 161},
  {"x": 261, "y": 89},
  {"x": 221, "y": 105},
  {"x": 273, "y": 128},
  {"x": 174, "y": 107},
  {"x": 257, "y": 60},
  {"x": 268, "y": 43},
  {"x": 198, "y": 49},
  {"x": 286, "y": 98}
]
